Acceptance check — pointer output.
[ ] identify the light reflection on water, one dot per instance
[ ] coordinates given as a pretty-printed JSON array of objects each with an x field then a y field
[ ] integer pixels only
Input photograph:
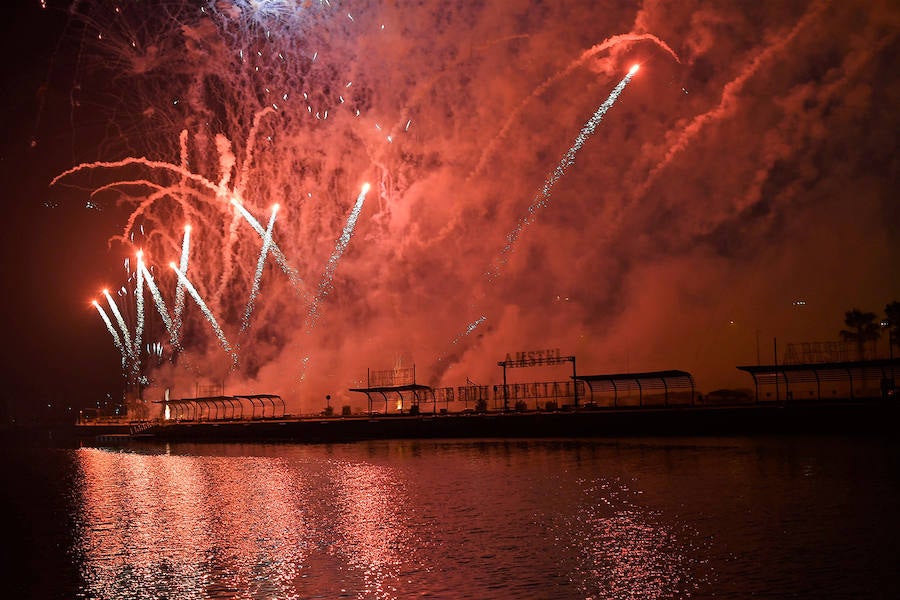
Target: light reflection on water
[
  {"x": 459, "y": 519},
  {"x": 155, "y": 526}
]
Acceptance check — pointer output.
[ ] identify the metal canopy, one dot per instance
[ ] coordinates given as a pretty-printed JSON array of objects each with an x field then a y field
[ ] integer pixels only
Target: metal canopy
[
  {"x": 782, "y": 377},
  {"x": 415, "y": 388},
  {"x": 226, "y": 408},
  {"x": 651, "y": 380}
]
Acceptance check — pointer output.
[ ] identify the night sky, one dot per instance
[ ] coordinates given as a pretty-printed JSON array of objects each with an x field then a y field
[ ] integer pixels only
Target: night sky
[{"x": 742, "y": 187}]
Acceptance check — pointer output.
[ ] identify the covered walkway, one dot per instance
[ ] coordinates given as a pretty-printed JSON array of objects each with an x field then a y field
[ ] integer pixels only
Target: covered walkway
[
  {"x": 825, "y": 381},
  {"x": 676, "y": 387},
  {"x": 415, "y": 393},
  {"x": 225, "y": 408}
]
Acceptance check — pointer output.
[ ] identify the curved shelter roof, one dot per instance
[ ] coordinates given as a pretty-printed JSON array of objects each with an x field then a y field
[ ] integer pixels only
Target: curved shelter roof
[
  {"x": 225, "y": 408},
  {"x": 649, "y": 381},
  {"x": 384, "y": 390},
  {"x": 853, "y": 373}
]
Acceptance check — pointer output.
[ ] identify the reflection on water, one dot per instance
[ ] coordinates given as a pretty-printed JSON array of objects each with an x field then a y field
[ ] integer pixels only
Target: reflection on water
[
  {"x": 372, "y": 535},
  {"x": 188, "y": 527},
  {"x": 479, "y": 519},
  {"x": 628, "y": 551}
]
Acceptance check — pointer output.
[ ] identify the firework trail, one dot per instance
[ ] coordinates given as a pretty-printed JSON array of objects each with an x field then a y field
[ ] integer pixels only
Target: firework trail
[
  {"x": 158, "y": 300},
  {"x": 241, "y": 183},
  {"x": 206, "y": 311},
  {"x": 112, "y": 330},
  {"x": 604, "y": 45},
  {"x": 331, "y": 267},
  {"x": 139, "y": 303},
  {"x": 542, "y": 198},
  {"x": 254, "y": 290},
  {"x": 150, "y": 164},
  {"x": 727, "y": 103},
  {"x": 291, "y": 273},
  {"x": 472, "y": 326},
  {"x": 179, "y": 287},
  {"x": 120, "y": 321},
  {"x": 325, "y": 285}
]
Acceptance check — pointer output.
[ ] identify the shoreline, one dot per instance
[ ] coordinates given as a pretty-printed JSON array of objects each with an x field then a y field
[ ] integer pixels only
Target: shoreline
[{"x": 858, "y": 416}]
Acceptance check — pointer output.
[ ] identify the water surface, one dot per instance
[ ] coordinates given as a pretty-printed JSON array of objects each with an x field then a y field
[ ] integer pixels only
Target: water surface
[{"x": 642, "y": 518}]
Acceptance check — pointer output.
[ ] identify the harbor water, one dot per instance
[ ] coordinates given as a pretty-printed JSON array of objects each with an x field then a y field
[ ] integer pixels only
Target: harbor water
[{"x": 735, "y": 517}]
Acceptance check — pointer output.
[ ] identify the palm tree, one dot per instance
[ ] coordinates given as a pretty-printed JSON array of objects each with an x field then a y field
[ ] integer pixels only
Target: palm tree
[
  {"x": 892, "y": 316},
  {"x": 863, "y": 328}
]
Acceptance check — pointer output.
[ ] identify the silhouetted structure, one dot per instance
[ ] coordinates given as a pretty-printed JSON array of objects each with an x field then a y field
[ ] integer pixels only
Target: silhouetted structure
[
  {"x": 677, "y": 387},
  {"x": 226, "y": 408},
  {"x": 396, "y": 381},
  {"x": 846, "y": 379}
]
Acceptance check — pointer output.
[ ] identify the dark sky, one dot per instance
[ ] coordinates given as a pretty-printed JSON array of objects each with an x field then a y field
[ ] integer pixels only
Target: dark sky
[
  {"x": 53, "y": 353},
  {"x": 742, "y": 187}
]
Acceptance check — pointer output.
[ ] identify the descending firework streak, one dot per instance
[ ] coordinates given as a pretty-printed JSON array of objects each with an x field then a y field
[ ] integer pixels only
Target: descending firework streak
[
  {"x": 206, "y": 311},
  {"x": 179, "y": 288},
  {"x": 126, "y": 344},
  {"x": 139, "y": 302},
  {"x": 112, "y": 330},
  {"x": 331, "y": 267},
  {"x": 542, "y": 198},
  {"x": 254, "y": 290},
  {"x": 270, "y": 243},
  {"x": 158, "y": 300}
]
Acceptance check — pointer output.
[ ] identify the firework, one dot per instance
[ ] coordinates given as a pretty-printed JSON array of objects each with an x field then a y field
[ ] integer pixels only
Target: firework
[
  {"x": 112, "y": 330},
  {"x": 273, "y": 247},
  {"x": 611, "y": 42},
  {"x": 121, "y": 321},
  {"x": 331, "y": 267},
  {"x": 139, "y": 303},
  {"x": 232, "y": 107},
  {"x": 206, "y": 312},
  {"x": 542, "y": 198},
  {"x": 254, "y": 290},
  {"x": 158, "y": 300},
  {"x": 179, "y": 287}
]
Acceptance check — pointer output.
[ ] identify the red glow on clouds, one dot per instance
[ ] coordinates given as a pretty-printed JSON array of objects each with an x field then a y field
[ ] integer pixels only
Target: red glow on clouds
[{"x": 706, "y": 192}]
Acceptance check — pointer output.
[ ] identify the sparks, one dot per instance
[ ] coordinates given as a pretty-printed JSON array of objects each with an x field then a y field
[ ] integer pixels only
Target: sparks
[
  {"x": 331, "y": 267},
  {"x": 124, "y": 328},
  {"x": 158, "y": 300},
  {"x": 542, "y": 198},
  {"x": 179, "y": 286},
  {"x": 292, "y": 275},
  {"x": 207, "y": 313},
  {"x": 254, "y": 290},
  {"x": 139, "y": 302},
  {"x": 112, "y": 331}
]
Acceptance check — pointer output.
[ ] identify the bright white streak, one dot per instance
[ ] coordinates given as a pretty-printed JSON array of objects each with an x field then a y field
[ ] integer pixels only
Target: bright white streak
[
  {"x": 120, "y": 321},
  {"x": 179, "y": 287},
  {"x": 542, "y": 198},
  {"x": 475, "y": 324},
  {"x": 254, "y": 290},
  {"x": 158, "y": 300},
  {"x": 139, "y": 302},
  {"x": 472, "y": 326},
  {"x": 339, "y": 248},
  {"x": 274, "y": 249},
  {"x": 209, "y": 315},
  {"x": 112, "y": 330}
]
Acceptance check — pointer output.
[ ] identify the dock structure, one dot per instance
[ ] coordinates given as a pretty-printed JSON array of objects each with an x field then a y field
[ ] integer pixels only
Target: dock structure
[{"x": 845, "y": 396}]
